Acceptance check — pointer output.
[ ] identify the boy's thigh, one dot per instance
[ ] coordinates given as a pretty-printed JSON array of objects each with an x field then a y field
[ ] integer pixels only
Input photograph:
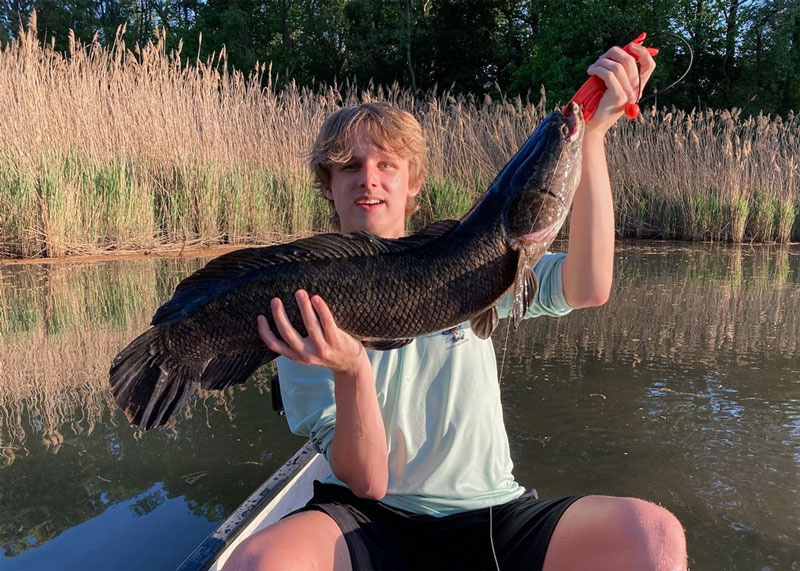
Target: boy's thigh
[{"x": 305, "y": 540}]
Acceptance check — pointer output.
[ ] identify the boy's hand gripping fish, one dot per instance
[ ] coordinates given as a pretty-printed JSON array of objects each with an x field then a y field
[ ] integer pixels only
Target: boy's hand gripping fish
[{"x": 383, "y": 292}]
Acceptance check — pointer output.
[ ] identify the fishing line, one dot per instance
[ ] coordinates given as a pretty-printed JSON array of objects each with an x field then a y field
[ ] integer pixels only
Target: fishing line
[
  {"x": 656, "y": 92},
  {"x": 494, "y": 419},
  {"x": 509, "y": 319}
]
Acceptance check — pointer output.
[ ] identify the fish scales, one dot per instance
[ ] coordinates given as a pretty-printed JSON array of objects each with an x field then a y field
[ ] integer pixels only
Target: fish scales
[{"x": 384, "y": 292}]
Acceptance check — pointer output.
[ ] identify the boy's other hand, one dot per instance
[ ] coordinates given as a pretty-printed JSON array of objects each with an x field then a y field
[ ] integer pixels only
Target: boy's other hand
[
  {"x": 623, "y": 82},
  {"x": 325, "y": 345}
]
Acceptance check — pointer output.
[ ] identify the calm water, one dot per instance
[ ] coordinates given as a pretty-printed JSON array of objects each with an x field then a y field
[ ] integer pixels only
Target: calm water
[{"x": 684, "y": 389}]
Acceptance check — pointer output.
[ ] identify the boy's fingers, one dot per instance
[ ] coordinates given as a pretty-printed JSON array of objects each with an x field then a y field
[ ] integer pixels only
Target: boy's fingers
[
  {"x": 286, "y": 330},
  {"x": 329, "y": 326},
  {"x": 627, "y": 73},
  {"x": 616, "y": 70},
  {"x": 646, "y": 62},
  {"x": 310, "y": 319},
  {"x": 271, "y": 340},
  {"x": 611, "y": 81}
]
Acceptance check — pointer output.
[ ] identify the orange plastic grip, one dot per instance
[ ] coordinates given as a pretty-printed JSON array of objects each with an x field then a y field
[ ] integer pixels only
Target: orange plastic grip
[{"x": 590, "y": 93}]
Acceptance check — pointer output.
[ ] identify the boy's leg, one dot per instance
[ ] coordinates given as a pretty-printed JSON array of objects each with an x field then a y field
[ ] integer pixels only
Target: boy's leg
[
  {"x": 603, "y": 532},
  {"x": 306, "y": 540}
]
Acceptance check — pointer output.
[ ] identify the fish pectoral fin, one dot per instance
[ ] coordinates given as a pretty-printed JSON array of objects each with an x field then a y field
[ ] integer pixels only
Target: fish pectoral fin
[
  {"x": 385, "y": 344},
  {"x": 485, "y": 323},
  {"x": 525, "y": 287},
  {"x": 225, "y": 370}
]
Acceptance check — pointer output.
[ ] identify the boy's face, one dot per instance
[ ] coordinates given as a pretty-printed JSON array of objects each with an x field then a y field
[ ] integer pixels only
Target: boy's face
[{"x": 370, "y": 191}]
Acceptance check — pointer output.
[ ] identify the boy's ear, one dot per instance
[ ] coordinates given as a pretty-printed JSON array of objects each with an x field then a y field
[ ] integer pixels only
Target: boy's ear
[
  {"x": 327, "y": 192},
  {"x": 414, "y": 190}
]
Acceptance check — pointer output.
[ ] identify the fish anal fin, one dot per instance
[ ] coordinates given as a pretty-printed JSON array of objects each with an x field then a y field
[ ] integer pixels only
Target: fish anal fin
[
  {"x": 226, "y": 370},
  {"x": 385, "y": 344},
  {"x": 485, "y": 323},
  {"x": 525, "y": 286}
]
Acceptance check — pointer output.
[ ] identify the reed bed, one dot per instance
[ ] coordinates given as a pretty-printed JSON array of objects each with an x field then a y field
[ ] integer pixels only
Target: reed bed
[
  {"x": 707, "y": 175},
  {"x": 106, "y": 148}
]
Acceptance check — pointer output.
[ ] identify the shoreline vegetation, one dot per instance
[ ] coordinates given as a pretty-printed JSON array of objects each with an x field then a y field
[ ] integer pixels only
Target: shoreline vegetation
[{"x": 105, "y": 149}]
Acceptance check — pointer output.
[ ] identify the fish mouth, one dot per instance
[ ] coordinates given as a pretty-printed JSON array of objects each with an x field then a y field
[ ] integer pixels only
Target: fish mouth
[{"x": 573, "y": 121}]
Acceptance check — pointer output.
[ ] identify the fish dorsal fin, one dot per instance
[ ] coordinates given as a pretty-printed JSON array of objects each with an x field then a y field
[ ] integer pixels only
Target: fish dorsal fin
[
  {"x": 525, "y": 286},
  {"x": 385, "y": 344},
  {"x": 484, "y": 324},
  {"x": 430, "y": 232},
  {"x": 227, "y": 271}
]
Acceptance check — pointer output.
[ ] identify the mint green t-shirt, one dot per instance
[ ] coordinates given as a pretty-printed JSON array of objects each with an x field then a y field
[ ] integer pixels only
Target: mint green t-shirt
[{"x": 440, "y": 401}]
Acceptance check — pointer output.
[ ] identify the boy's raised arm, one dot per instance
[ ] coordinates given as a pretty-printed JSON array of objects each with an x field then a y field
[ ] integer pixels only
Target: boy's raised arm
[{"x": 588, "y": 269}]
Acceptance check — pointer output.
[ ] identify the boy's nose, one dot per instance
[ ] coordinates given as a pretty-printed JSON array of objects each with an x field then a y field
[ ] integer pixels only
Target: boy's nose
[{"x": 370, "y": 176}]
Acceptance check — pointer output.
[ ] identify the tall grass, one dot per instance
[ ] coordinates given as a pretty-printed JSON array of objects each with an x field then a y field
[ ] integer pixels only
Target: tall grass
[
  {"x": 106, "y": 148},
  {"x": 708, "y": 175}
]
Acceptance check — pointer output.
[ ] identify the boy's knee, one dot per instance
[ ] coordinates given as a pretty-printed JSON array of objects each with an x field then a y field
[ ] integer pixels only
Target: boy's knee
[
  {"x": 649, "y": 532},
  {"x": 661, "y": 527},
  {"x": 618, "y": 533},
  {"x": 252, "y": 553}
]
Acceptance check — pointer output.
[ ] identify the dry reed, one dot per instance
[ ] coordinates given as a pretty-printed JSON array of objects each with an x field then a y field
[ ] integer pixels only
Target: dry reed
[{"x": 104, "y": 148}]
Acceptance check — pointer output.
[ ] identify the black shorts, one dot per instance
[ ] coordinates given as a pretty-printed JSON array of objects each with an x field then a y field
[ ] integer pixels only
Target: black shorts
[{"x": 382, "y": 537}]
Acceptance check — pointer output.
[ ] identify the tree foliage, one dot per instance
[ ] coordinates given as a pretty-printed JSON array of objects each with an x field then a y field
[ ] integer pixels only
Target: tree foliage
[{"x": 747, "y": 52}]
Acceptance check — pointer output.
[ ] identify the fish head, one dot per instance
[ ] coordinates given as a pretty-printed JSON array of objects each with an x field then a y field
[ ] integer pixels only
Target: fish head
[{"x": 545, "y": 180}]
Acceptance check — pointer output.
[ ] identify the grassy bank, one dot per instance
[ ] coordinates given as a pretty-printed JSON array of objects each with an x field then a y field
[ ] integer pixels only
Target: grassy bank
[{"x": 112, "y": 149}]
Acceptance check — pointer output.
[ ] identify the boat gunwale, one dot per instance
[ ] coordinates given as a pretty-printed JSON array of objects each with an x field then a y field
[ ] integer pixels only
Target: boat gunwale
[{"x": 207, "y": 553}]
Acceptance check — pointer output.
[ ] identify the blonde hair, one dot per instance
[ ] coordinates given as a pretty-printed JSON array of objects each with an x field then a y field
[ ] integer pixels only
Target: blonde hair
[{"x": 387, "y": 127}]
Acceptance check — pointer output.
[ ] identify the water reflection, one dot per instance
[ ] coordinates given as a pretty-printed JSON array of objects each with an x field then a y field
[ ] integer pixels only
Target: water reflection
[
  {"x": 683, "y": 390},
  {"x": 67, "y": 455}
]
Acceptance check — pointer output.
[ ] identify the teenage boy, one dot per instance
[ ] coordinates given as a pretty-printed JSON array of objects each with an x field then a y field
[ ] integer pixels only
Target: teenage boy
[{"x": 414, "y": 436}]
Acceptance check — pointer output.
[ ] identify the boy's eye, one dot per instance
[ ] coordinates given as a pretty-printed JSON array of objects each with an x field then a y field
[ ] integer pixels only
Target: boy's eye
[
  {"x": 349, "y": 167},
  {"x": 385, "y": 165}
]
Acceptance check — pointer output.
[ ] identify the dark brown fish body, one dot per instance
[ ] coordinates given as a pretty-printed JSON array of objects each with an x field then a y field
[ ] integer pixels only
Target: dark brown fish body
[{"x": 384, "y": 292}]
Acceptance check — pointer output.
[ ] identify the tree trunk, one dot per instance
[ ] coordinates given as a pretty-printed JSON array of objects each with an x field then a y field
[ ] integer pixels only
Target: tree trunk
[
  {"x": 409, "y": 28},
  {"x": 731, "y": 33},
  {"x": 794, "y": 59},
  {"x": 286, "y": 37}
]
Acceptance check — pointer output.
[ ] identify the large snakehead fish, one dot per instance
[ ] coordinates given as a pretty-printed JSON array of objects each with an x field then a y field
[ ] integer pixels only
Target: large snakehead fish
[{"x": 383, "y": 292}]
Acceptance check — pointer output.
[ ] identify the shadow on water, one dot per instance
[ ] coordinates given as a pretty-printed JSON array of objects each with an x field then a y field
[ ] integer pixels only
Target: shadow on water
[{"x": 682, "y": 390}]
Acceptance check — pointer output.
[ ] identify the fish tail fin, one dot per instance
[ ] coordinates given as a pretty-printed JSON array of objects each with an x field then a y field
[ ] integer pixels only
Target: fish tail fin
[
  {"x": 226, "y": 370},
  {"x": 146, "y": 385}
]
